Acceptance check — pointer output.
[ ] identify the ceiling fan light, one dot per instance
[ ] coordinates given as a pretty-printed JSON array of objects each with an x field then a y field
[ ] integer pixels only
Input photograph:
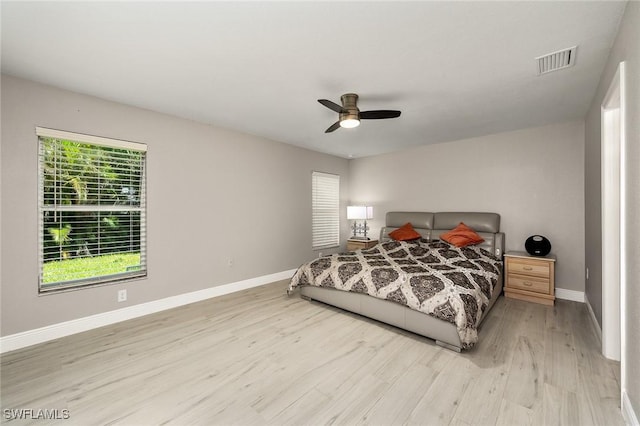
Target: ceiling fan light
[{"x": 349, "y": 123}]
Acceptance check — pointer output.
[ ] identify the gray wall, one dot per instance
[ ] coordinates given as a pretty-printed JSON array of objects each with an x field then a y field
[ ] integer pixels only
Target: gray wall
[
  {"x": 532, "y": 177},
  {"x": 212, "y": 192},
  {"x": 626, "y": 48}
]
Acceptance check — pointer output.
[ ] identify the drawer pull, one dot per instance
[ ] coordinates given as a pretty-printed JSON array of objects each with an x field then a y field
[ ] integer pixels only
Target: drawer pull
[
  {"x": 527, "y": 268},
  {"x": 527, "y": 283}
]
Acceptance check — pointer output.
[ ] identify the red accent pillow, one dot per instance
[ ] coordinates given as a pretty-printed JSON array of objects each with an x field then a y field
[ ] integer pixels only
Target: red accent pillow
[
  {"x": 462, "y": 236},
  {"x": 405, "y": 233}
]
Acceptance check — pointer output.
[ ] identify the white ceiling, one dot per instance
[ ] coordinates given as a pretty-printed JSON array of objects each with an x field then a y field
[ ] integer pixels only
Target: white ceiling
[{"x": 454, "y": 69}]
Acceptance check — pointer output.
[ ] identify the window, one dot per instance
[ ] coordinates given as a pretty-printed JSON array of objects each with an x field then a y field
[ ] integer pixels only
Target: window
[
  {"x": 92, "y": 210},
  {"x": 325, "y": 210}
]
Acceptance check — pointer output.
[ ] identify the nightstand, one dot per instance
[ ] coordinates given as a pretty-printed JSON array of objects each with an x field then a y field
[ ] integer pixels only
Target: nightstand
[
  {"x": 530, "y": 278},
  {"x": 360, "y": 244}
]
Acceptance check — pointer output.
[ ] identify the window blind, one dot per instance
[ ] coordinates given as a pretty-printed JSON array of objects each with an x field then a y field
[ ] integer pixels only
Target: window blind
[
  {"x": 92, "y": 209},
  {"x": 325, "y": 210}
]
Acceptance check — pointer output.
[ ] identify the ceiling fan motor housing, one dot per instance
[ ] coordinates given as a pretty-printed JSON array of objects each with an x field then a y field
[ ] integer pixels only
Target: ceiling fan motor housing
[
  {"x": 349, "y": 115},
  {"x": 349, "y": 101},
  {"x": 350, "y": 111}
]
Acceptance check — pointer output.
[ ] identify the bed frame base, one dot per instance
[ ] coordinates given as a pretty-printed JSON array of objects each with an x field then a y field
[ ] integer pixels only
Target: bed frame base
[
  {"x": 448, "y": 346},
  {"x": 385, "y": 311},
  {"x": 444, "y": 333}
]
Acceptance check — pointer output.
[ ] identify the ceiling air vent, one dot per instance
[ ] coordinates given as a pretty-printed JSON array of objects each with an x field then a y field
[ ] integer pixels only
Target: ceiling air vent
[{"x": 557, "y": 60}]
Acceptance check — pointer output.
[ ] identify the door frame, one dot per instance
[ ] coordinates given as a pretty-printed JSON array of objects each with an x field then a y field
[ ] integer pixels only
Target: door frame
[{"x": 613, "y": 186}]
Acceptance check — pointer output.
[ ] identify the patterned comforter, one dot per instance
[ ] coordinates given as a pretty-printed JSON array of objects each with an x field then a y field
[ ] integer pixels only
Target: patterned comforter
[{"x": 436, "y": 278}]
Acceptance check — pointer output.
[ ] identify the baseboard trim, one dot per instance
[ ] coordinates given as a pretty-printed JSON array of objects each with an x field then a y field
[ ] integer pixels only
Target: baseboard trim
[
  {"x": 55, "y": 331},
  {"x": 594, "y": 320},
  {"x": 628, "y": 413},
  {"x": 573, "y": 295}
]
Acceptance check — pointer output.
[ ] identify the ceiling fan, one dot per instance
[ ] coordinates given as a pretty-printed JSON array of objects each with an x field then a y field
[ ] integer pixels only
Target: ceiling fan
[{"x": 350, "y": 115}]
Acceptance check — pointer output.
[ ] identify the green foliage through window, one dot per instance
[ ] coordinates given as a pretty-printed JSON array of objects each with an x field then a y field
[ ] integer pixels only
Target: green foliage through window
[{"x": 92, "y": 206}]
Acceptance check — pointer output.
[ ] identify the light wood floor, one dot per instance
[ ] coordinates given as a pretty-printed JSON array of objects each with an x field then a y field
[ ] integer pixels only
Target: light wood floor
[{"x": 259, "y": 357}]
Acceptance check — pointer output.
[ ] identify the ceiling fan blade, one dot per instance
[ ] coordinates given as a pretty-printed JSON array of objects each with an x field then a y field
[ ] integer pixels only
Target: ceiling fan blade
[
  {"x": 331, "y": 105},
  {"x": 379, "y": 114},
  {"x": 333, "y": 127}
]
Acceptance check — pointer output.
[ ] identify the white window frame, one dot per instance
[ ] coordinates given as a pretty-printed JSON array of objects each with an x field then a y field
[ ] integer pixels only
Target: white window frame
[
  {"x": 325, "y": 207},
  {"x": 140, "y": 271}
]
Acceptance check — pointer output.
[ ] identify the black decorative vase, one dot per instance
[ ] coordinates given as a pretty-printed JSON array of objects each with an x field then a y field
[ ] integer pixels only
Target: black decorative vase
[{"x": 537, "y": 245}]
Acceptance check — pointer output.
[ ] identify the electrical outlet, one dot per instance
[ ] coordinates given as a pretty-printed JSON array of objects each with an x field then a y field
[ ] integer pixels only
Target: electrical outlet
[
  {"x": 587, "y": 273},
  {"x": 122, "y": 295}
]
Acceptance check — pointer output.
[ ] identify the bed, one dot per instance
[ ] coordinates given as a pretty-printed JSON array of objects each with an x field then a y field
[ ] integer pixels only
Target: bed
[{"x": 425, "y": 285}]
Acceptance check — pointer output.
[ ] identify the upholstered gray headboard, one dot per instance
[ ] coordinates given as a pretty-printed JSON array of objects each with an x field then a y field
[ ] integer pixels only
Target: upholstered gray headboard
[{"x": 431, "y": 225}]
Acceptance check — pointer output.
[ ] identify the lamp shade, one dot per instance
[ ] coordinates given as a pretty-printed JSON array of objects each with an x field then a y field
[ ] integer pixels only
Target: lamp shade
[{"x": 359, "y": 212}]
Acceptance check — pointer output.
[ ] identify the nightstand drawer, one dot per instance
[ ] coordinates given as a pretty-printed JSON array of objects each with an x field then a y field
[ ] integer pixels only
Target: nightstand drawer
[
  {"x": 360, "y": 244},
  {"x": 539, "y": 285},
  {"x": 528, "y": 267}
]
